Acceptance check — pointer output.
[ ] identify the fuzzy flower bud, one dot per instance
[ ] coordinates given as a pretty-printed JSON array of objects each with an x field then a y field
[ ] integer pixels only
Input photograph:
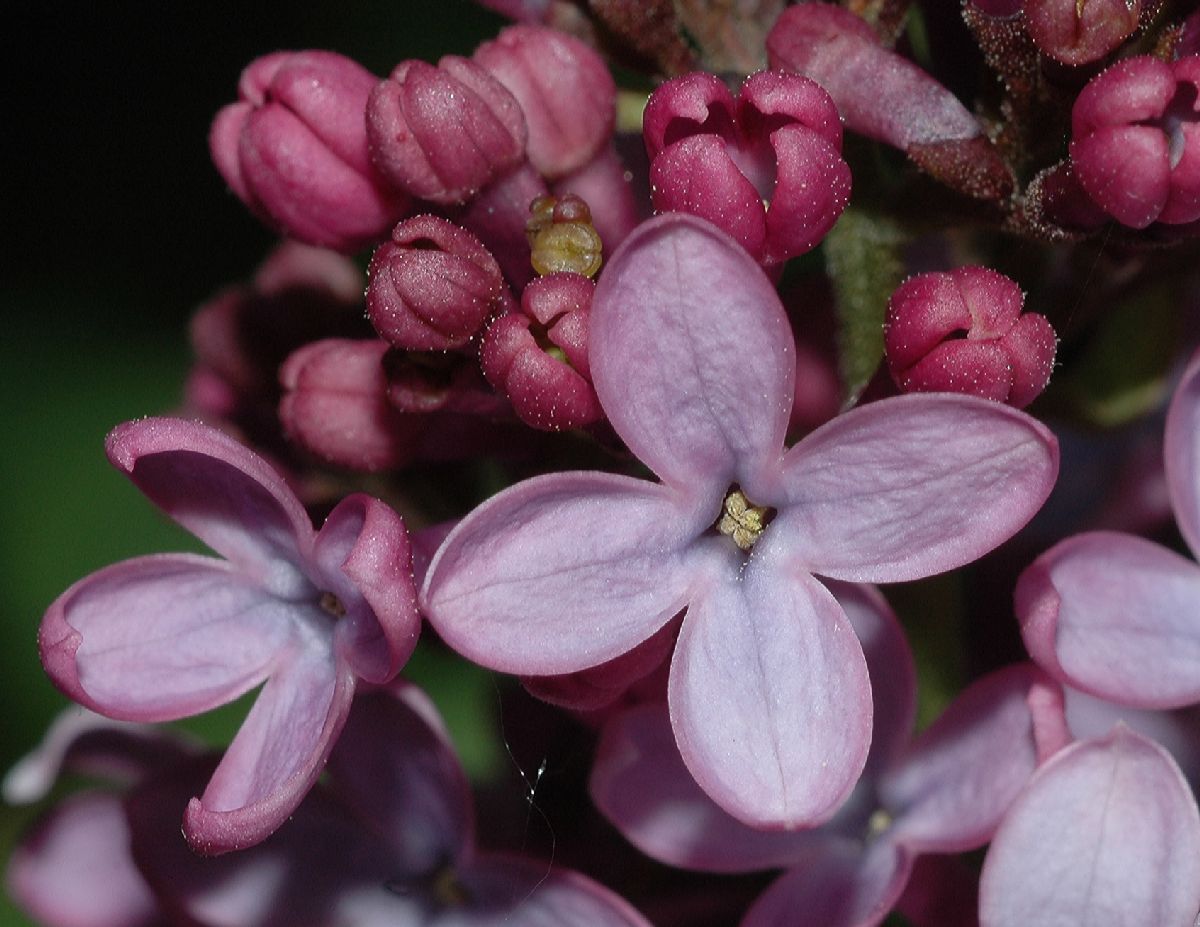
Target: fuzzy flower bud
[
  {"x": 564, "y": 89},
  {"x": 432, "y": 286},
  {"x": 963, "y": 332},
  {"x": 444, "y": 133},
  {"x": 538, "y": 357},
  {"x": 765, "y": 167},
  {"x": 1135, "y": 148},
  {"x": 1078, "y": 33},
  {"x": 294, "y": 150}
]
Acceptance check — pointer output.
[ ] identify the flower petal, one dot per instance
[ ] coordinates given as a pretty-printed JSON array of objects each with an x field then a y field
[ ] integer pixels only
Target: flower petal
[
  {"x": 75, "y": 869},
  {"x": 1114, "y": 615},
  {"x": 162, "y": 637},
  {"x": 364, "y": 557},
  {"x": 394, "y": 766},
  {"x": 769, "y": 696},
  {"x": 562, "y": 572},
  {"x": 276, "y": 756},
  {"x": 954, "y": 785},
  {"x": 843, "y": 885},
  {"x": 220, "y": 491},
  {"x": 1106, "y": 833},
  {"x": 1181, "y": 454},
  {"x": 912, "y": 486},
  {"x": 692, "y": 356},
  {"x": 640, "y": 784}
]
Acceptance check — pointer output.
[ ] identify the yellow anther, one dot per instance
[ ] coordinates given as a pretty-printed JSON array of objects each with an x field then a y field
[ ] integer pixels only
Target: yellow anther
[{"x": 741, "y": 520}]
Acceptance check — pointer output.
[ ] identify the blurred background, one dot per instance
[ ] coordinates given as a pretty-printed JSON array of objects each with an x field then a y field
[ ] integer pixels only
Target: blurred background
[{"x": 118, "y": 227}]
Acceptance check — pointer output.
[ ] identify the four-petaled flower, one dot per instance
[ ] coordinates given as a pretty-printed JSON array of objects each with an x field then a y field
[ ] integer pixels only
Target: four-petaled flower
[
  {"x": 171, "y": 635},
  {"x": 693, "y": 361}
]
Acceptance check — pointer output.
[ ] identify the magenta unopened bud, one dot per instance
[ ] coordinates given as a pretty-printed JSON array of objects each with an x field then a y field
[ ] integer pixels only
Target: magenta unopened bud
[
  {"x": 335, "y": 406},
  {"x": 432, "y": 286},
  {"x": 1135, "y": 147},
  {"x": 963, "y": 332},
  {"x": 565, "y": 90},
  {"x": 294, "y": 150},
  {"x": 766, "y": 166},
  {"x": 538, "y": 357},
  {"x": 444, "y": 133},
  {"x": 1075, "y": 32}
]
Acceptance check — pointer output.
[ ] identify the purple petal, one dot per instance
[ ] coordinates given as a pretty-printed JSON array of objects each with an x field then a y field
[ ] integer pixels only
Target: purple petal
[
  {"x": 769, "y": 695},
  {"x": 562, "y": 572},
  {"x": 220, "y": 491},
  {"x": 276, "y": 756},
  {"x": 912, "y": 486},
  {"x": 1106, "y": 833},
  {"x": 1181, "y": 454},
  {"x": 890, "y": 665},
  {"x": 365, "y": 559},
  {"x": 74, "y": 869},
  {"x": 639, "y": 783},
  {"x": 846, "y": 885},
  {"x": 692, "y": 356},
  {"x": 953, "y": 787},
  {"x": 394, "y": 766},
  {"x": 1114, "y": 615},
  {"x": 162, "y": 637}
]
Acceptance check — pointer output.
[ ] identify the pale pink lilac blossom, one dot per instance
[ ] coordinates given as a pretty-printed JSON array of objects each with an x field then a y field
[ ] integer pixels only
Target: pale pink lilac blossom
[
  {"x": 692, "y": 359},
  {"x": 170, "y": 635}
]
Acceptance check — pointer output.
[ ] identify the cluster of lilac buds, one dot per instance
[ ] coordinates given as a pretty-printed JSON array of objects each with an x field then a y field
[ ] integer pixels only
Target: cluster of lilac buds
[{"x": 648, "y": 389}]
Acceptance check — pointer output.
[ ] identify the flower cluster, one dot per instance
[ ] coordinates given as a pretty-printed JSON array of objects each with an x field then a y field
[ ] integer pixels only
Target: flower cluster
[{"x": 612, "y": 417}]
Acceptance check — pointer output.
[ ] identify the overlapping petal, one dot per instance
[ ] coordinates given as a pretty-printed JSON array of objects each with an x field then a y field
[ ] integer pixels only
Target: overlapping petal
[
  {"x": 1106, "y": 833},
  {"x": 564, "y": 571},
  {"x": 769, "y": 695},
  {"x": 692, "y": 356},
  {"x": 162, "y": 637},
  {"x": 1115, "y": 615},
  {"x": 1181, "y": 454},
  {"x": 911, "y": 486}
]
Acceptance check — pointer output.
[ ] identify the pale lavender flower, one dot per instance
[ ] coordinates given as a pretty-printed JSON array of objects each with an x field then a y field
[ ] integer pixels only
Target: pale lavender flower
[
  {"x": 944, "y": 791},
  {"x": 693, "y": 362},
  {"x": 169, "y": 635}
]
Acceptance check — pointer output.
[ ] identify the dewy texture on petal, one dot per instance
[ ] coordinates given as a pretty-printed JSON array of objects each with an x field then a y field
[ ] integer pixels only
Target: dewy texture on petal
[
  {"x": 308, "y": 613},
  {"x": 1107, "y": 832},
  {"x": 692, "y": 356}
]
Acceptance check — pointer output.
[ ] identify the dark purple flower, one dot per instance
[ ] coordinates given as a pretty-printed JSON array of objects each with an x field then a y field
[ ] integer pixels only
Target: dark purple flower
[{"x": 170, "y": 635}]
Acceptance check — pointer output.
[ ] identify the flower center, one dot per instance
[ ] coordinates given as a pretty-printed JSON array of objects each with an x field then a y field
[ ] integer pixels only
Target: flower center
[
  {"x": 332, "y": 604},
  {"x": 742, "y": 520},
  {"x": 878, "y": 823},
  {"x": 448, "y": 890}
]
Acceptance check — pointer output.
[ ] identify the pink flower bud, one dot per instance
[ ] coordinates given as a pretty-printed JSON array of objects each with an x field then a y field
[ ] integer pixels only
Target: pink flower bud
[
  {"x": 1135, "y": 148},
  {"x": 1075, "y": 32},
  {"x": 538, "y": 357},
  {"x": 963, "y": 332},
  {"x": 565, "y": 90},
  {"x": 432, "y": 286},
  {"x": 335, "y": 406},
  {"x": 765, "y": 167},
  {"x": 294, "y": 150},
  {"x": 444, "y": 133}
]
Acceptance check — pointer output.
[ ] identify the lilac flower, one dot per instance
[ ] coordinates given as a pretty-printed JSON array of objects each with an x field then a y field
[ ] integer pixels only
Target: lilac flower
[
  {"x": 1079, "y": 33},
  {"x": 388, "y": 841},
  {"x": 943, "y": 792},
  {"x": 170, "y": 635},
  {"x": 692, "y": 359}
]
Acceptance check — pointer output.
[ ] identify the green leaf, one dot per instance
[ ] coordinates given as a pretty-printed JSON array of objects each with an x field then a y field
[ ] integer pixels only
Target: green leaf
[{"x": 862, "y": 258}]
